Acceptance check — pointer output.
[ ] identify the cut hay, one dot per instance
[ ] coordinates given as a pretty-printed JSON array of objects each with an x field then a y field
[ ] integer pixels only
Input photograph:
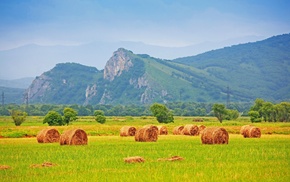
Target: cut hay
[
  {"x": 3, "y": 167},
  {"x": 174, "y": 158},
  {"x": 162, "y": 130},
  {"x": 45, "y": 164},
  {"x": 201, "y": 128},
  {"x": 177, "y": 130},
  {"x": 215, "y": 135},
  {"x": 147, "y": 134},
  {"x": 74, "y": 137},
  {"x": 48, "y": 136},
  {"x": 250, "y": 132},
  {"x": 190, "y": 129},
  {"x": 127, "y": 131},
  {"x": 135, "y": 159}
]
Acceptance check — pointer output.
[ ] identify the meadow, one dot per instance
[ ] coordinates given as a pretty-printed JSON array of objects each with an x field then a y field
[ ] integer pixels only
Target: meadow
[{"x": 243, "y": 159}]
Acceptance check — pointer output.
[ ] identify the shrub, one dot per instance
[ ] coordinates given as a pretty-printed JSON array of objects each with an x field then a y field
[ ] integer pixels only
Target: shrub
[
  {"x": 100, "y": 116},
  {"x": 18, "y": 117}
]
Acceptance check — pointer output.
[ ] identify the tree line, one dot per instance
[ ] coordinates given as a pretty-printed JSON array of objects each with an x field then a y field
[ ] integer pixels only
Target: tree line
[
  {"x": 177, "y": 109},
  {"x": 269, "y": 112}
]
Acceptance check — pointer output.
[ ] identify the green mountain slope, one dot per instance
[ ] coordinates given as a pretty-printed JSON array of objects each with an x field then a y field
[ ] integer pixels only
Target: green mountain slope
[
  {"x": 260, "y": 69},
  {"x": 66, "y": 83}
]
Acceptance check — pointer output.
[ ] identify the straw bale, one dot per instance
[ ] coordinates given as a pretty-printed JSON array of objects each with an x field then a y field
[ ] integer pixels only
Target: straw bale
[
  {"x": 201, "y": 128},
  {"x": 135, "y": 159},
  {"x": 251, "y": 132},
  {"x": 127, "y": 131},
  {"x": 147, "y": 134},
  {"x": 48, "y": 136},
  {"x": 162, "y": 130},
  {"x": 178, "y": 130},
  {"x": 74, "y": 137},
  {"x": 215, "y": 135},
  {"x": 242, "y": 130},
  {"x": 190, "y": 129}
]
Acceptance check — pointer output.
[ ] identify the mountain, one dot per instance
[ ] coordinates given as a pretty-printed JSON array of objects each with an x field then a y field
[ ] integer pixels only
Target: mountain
[
  {"x": 17, "y": 83},
  {"x": 239, "y": 73},
  {"x": 260, "y": 69},
  {"x": 35, "y": 59},
  {"x": 11, "y": 95},
  {"x": 66, "y": 83}
]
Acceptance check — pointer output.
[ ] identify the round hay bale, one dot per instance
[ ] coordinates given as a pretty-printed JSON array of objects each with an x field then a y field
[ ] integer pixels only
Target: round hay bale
[
  {"x": 147, "y": 134},
  {"x": 215, "y": 135},
  {"x": 190, "y": 129},
  {"x": 201, "y": 128},
  {"x": 48, "y": 136},
  {"x": 242, "y": 130},
  {"x": 162, "y": 130},
  {"x": 127, "y": 131},
  {"x": 74, "y": 137},
  {"x": 177, "y": 130},
  {"x": 251, "y": 132}
]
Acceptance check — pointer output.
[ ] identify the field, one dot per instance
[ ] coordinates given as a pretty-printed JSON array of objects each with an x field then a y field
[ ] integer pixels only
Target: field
[{"x": 251, "y": 159}]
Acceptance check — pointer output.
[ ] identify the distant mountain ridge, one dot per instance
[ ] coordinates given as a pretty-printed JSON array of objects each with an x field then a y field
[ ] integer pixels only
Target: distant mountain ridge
[{"x": 238, "y": 73}]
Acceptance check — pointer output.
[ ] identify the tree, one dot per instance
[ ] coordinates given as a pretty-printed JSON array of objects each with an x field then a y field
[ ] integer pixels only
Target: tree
[
  {"x": 53, "y": 118},
  {"x": 254, "y": 116},
  {"x": 162, "y": 113},
  {"x": 232, "y": 114},
  {"x": 18, "y": 117},
  {"x": 220, "y": 111},
  {"x": 100, "y": 116},
  {"x": 69, "y": 115}
]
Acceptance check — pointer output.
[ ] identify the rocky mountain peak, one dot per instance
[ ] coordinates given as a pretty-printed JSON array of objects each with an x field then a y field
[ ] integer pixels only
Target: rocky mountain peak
[{"x": 119, "y": 62}]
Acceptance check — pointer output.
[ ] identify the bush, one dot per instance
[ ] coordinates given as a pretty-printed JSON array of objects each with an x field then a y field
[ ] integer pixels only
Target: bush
[
  {"x": 18, "y": 117},
  {"x": 100, "y": 116}
]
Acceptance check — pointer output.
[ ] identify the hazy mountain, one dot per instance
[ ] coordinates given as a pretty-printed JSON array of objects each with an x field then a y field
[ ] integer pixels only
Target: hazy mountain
[
  {"x": 17, "y": 83},
  {"x": 32, "y": 60}
]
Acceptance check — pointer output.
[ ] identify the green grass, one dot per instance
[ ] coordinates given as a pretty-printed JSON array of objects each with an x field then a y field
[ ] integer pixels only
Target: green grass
[{"x": 264, "y": 159}]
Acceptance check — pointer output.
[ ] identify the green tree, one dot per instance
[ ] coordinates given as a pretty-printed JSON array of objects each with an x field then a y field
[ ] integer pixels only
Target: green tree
[
  {"x": 53, "y": 118},
  {"x": 219, "y": 111},
  {"x": 69, "y": 115},
  {"x": 18, "y": 117},
  {"x": 232, "y": 114},
  {"x": 162, "y": 113},
  {"x": 100, "y": 116},
  {"x": 258, "y": 106},
  {"x": 254, "y": 116}
]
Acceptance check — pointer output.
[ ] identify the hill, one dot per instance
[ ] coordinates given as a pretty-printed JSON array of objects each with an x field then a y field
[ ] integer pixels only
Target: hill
[
  {"x": 239, "y": 73},
  {"x": 260, "y": 69}
]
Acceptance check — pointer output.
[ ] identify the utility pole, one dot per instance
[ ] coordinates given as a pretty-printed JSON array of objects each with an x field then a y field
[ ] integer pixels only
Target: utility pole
[
  {"x": 228, "y": 96},
  {"x": 3, "y": 97},
  {"x": 26, "y": 99}
]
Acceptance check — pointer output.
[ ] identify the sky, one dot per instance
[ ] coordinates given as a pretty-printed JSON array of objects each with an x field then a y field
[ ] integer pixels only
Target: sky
[
  {"x": 35, "y": 35},
  {"x": 156, "y": 22}
]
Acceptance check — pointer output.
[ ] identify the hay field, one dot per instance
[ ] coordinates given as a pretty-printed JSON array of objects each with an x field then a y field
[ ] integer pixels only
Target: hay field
[{"x": 243, "y": 159}]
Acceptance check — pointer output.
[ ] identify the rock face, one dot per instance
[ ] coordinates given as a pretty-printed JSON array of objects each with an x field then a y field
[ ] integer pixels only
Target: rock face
[
  {"x": 119, "y": 62},
  {"x": 39, "y": 87}
]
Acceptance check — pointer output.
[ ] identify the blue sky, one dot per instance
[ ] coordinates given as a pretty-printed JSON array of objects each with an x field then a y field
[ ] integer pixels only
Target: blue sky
[{"x": 157, "y": 22}]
